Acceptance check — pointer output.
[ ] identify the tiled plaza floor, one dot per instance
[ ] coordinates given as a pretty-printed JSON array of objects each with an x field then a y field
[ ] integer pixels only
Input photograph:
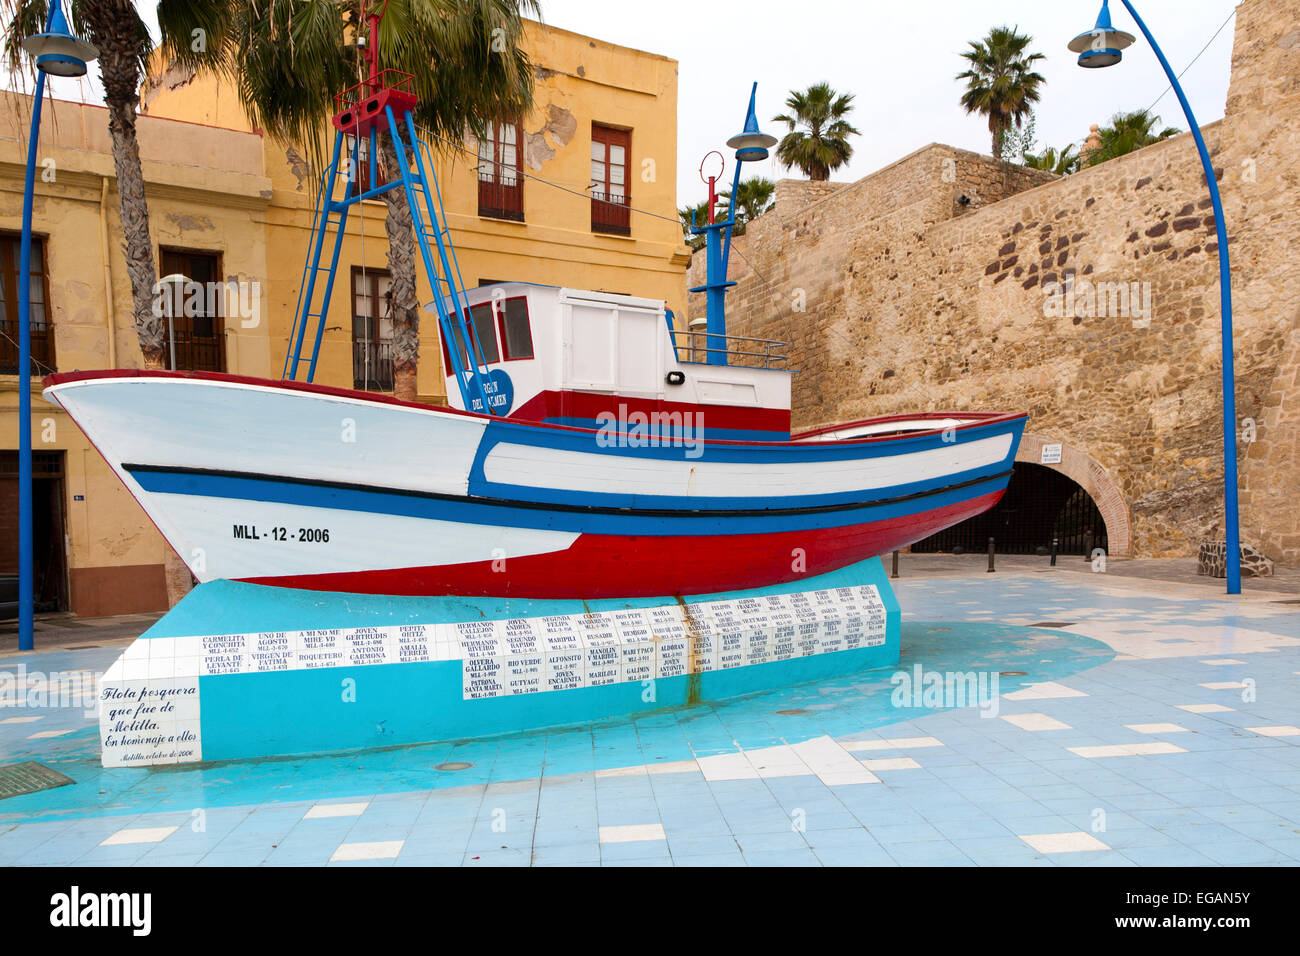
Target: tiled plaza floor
[{"x": 1161, "y": 726}]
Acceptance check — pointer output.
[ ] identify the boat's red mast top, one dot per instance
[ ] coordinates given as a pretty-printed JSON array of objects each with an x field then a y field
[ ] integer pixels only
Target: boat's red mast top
[
  {"x": 372, "y": 44},
  {"x": 362, "y": 107}
]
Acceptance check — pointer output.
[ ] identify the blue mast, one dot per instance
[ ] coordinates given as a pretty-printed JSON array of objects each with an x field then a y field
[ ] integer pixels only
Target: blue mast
[{"x": 384, "y": 104}]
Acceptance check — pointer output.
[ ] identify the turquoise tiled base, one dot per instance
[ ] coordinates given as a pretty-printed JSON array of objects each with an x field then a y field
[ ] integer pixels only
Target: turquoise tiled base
[{"x": 301, "y": 706}]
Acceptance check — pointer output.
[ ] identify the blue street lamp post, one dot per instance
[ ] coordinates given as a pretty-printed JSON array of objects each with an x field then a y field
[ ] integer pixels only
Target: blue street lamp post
[
  {"x": 1103, "y": 46},
  {"x": 58, "y": 53},
  {"x": 751, "y": 145}
]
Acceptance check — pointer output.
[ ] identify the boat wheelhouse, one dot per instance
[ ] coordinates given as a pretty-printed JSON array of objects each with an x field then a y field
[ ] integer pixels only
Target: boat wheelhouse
[{"x": 598, "y": 360}]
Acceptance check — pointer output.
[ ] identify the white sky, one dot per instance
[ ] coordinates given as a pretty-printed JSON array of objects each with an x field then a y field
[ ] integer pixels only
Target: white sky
[{"x": 899, "y": 58}]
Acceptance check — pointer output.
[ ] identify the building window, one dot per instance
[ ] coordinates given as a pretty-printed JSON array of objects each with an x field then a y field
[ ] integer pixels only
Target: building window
[
  {"x": 193, "y": 311},
  {"x": 372, "y": 330},
  {"x": 500, "y": 172},
  {"x": 361, "y": 180},
  {"x": 42, "y": 334},
  {"x": 609, "y": 185}
]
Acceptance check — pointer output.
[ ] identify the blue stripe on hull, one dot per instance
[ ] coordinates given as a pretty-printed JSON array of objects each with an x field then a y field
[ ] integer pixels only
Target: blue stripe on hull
[
  {"x": 758, "y": 455},
  {"x": 414, "y": 505}
]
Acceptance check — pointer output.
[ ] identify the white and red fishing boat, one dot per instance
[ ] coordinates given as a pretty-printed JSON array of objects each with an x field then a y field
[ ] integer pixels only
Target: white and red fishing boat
[
  {"x": 604, "y": 481},
  {"x": 586, "y": 453}
]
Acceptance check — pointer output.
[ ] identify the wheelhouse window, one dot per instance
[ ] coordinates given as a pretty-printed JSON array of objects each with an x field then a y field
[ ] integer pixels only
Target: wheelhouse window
[
  {"x": 500, "y": 329},
  {"x": 610, "y": 197},
  {"x": 194, "y": 311},
  {"x": 372, "y": 330},
  {"x": 481, "y": 324},
  {"x": 516, "y": 337},
  {"x": 42, "y": 333},
  {"x": 500, "y": 172},
  {"x": 483, "y": 328}
]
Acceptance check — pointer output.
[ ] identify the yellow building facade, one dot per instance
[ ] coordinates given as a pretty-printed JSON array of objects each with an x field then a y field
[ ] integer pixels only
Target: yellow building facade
[{"x": 228, "y": 204}]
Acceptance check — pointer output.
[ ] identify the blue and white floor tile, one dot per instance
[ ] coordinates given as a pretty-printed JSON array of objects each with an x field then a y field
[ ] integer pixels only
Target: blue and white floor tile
[{"x": 1155, "y": 729}]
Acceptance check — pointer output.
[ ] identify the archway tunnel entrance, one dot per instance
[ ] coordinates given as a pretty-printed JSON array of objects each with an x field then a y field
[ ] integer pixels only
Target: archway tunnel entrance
[{"x": 1040, "y": 504}]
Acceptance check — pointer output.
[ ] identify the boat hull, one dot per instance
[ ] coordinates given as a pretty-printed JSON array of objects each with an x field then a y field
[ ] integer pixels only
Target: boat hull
[{"x": 322, "y": 489}]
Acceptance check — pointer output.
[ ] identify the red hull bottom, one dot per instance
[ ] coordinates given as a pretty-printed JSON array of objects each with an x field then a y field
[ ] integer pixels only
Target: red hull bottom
[{"x": 608, "y": 566}]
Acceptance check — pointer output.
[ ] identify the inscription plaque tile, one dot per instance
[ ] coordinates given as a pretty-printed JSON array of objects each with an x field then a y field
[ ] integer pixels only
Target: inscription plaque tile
[
  {"x": 148, "y": 722},
  {"x": 224, "y": 654},
  {"x": 528, "y": 655},
  {"x": 320, "y": 648}
]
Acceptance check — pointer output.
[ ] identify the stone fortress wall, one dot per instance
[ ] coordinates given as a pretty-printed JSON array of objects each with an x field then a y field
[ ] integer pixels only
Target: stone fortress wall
[{"x": 896, "y": 295}]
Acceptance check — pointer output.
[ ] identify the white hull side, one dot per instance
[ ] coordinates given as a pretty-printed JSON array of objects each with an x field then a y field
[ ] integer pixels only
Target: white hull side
[{"x": 357, "y": 541}]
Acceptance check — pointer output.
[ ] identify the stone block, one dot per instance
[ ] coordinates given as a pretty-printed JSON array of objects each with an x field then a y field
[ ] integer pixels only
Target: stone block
[{"x": 1212, "y": 561}]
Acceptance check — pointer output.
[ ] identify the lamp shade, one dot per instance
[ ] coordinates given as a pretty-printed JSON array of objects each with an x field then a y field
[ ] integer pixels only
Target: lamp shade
[
  {"x": 751, "y": 145},
  {"x": 57, "y": 51},
  {"x": 1103, "y": 45}
]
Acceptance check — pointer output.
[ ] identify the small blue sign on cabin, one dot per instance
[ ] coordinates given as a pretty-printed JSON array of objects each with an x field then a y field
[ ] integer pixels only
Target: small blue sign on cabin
[{"x": 500, "y": 393}]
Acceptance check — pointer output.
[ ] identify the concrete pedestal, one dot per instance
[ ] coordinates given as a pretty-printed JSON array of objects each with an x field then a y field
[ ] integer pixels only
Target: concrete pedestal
[{"x": 241, "y": 670}]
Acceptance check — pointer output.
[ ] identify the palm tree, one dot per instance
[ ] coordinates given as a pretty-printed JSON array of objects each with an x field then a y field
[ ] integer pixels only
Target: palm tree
[
  {"x": 1063, "y": 162},
  {"x": 825, "y": 146},
  {"x": 755, "y": 198},
  {"x": 1000, "y": 82},
  {"x": 1128, "y": 132},
  {"x": 115, "y": 27}
]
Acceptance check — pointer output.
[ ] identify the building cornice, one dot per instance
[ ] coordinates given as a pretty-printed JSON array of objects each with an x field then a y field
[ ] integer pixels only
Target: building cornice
[{"x": 154, "y": 189}]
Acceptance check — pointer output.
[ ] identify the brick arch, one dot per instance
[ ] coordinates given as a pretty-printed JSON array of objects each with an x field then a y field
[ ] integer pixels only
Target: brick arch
[{"x": 1091, "y": 475}]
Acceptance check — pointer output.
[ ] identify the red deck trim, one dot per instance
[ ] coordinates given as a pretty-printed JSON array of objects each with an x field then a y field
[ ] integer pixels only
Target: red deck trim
[{"x": 587, "y": 405}]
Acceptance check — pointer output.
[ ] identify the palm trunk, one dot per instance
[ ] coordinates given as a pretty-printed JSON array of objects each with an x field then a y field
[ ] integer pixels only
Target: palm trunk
[
  {"x": 404, "y": 308},
  {"x": 112, "y": 26}
]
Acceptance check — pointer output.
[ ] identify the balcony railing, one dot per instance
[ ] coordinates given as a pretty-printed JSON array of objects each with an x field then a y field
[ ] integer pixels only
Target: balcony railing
[
  {"x": 372, "y": 366},
  {"x": 500, "y": 196},
  {"x": 693, "y": 346},
  {"x": 42, "y": 349},
  {"x": 610, "y": 214},
  {"x": 200, "y": 342}
]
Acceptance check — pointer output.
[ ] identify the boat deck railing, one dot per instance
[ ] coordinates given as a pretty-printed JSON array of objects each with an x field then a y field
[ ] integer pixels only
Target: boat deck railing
[{"x": 692, "y": 346}]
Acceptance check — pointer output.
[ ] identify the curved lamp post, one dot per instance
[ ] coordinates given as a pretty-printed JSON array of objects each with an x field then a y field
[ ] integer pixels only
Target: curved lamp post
[
  {"x": 57, "y": 53},
  {"x": 1103, "y": 46},
  {"x": 751, "y": 145}
]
